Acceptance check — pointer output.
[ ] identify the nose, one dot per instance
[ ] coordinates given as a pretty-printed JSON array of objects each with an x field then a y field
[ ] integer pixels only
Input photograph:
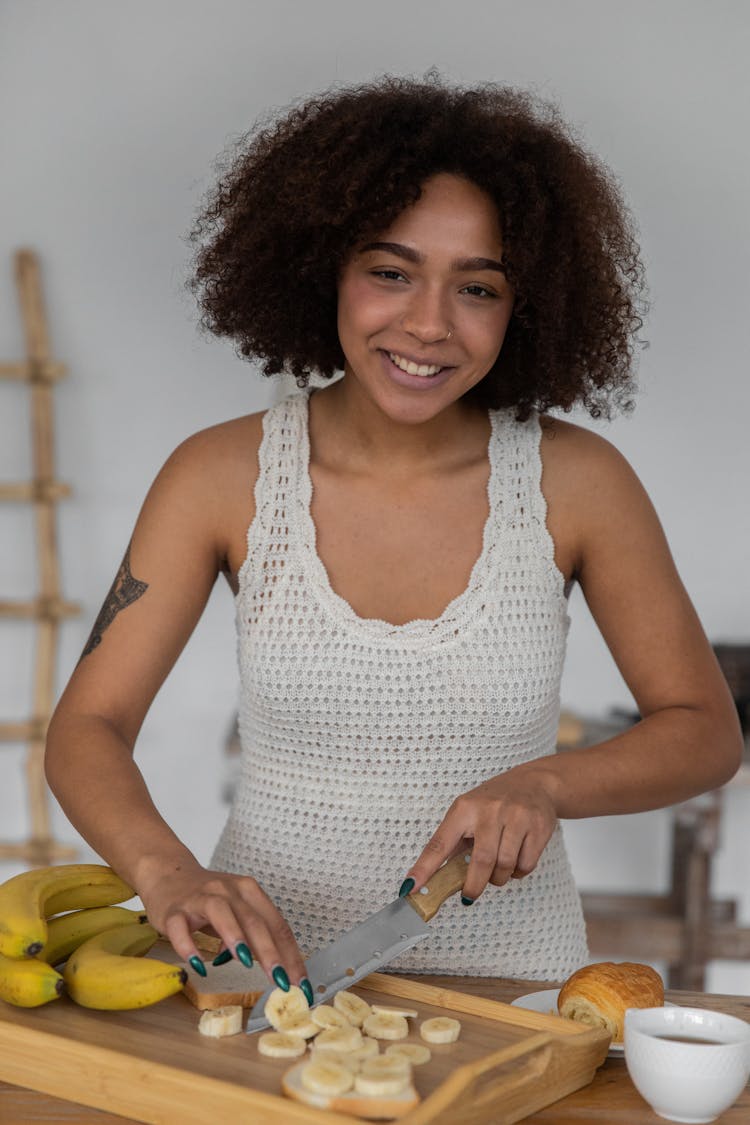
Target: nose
[{"x": 426, "y": 317}]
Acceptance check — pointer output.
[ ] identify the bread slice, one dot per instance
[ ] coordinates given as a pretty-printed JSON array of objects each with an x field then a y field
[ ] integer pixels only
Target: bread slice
[
  {"x": 223, "y": 986},
  {"x": 385, "y": 1108}
]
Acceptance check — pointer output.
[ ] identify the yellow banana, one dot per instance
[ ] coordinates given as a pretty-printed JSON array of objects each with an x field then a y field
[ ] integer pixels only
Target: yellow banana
[
  {"x": 66, "y": 932},
  {"x": 28, "y": 983},
  {"x": 109, "y": 971},
  {"x": 28, "y": 899}
]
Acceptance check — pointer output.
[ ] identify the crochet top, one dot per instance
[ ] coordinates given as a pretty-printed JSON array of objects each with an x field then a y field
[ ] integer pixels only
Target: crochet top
[{"x": 358, "y": 734}]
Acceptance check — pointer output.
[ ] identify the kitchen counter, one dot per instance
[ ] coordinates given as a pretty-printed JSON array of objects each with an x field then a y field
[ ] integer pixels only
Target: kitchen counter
[{"x": 611, "y": 1099}]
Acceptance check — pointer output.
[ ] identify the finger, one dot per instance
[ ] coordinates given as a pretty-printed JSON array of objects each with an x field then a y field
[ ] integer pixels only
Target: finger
[
  {"x": 179, "y": 932},
  {"x": 481, "y": 865},
  {"x": 288, "y": 956},
  {"x": 508, "y": 856},
  {"x": 528, "y": 857},
  {"x": 443, "y": 844}
]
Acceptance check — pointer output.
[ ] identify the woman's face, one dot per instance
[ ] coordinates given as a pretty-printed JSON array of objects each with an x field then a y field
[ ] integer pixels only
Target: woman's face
[{"x": 423, "y": 308}]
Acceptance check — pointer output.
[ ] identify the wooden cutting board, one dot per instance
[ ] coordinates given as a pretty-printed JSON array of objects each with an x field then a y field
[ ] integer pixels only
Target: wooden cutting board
[{"x": 154, "y": 1066}]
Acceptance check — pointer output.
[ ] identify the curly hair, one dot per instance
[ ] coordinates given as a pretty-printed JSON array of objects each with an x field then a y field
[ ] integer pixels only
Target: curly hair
[{"x": 295, "y": 197}]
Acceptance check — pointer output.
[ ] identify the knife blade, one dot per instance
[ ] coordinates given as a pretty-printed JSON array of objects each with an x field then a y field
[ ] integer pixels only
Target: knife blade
[{"x": 371, "y": 944}]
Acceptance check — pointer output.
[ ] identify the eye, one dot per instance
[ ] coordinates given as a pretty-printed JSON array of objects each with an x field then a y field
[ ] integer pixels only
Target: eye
[
  {"x": 388, "y": 274},
  {"x": 478, "y": 291}
]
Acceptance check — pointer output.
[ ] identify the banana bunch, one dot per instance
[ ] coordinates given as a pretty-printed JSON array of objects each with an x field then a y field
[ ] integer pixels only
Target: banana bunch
[
  {"x": 29, "y": 899},
  {"x": 110, "y": 973}
]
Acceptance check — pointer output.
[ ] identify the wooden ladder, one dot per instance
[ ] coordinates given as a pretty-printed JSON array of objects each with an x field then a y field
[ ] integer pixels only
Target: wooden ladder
[{"x": 48, "y": 608}]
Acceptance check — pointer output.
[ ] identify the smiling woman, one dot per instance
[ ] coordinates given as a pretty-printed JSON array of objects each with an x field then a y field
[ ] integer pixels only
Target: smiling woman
[{"x": 401, "y": 544}]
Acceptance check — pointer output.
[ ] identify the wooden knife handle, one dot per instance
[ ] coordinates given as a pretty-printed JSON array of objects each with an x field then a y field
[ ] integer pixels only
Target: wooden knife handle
[{"x": 445, "y": 882}]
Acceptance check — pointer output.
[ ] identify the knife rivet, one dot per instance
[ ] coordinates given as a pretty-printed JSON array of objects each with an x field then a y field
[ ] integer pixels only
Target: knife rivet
[
  {"x": 321, "y": 988},
  {"x": 349, "y": 972},
  {"x": 424, "y": 890}
]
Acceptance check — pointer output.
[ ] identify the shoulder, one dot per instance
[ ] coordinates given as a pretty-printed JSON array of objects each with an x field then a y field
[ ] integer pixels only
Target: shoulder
[{"x": 573, "y": 456}]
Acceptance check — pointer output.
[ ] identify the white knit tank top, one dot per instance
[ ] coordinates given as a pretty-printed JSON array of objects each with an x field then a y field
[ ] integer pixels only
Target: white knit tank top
[{"x": 358, "y": 734}]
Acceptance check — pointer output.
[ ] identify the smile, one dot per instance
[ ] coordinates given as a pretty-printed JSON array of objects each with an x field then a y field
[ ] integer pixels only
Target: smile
[{"x": 411, "y": 368}]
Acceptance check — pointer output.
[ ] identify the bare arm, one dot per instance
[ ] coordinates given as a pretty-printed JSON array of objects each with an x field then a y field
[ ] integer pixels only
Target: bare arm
[
  {"x": 177, "y": 550},
  {"x": 688, "y": 740}
]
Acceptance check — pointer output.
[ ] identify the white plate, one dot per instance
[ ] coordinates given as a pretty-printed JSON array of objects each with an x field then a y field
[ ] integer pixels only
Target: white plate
[{"x": 546, "y": 1003}]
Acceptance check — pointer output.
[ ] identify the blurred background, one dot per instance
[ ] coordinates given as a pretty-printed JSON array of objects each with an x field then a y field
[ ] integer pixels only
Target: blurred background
[{"x": 111, "y": 117}]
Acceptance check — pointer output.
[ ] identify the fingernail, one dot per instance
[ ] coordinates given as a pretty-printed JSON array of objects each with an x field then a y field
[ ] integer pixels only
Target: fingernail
[
  {"x": 279, "y": 975},
  {"x": 307, "y": 989},
  {"x": 223, "y": 957},
  {"x": 198, "y": 966},
  {"x": 406, "y": 886},
  {"x": 244, "y": 955},
  {"x": 467, "y": 901}
]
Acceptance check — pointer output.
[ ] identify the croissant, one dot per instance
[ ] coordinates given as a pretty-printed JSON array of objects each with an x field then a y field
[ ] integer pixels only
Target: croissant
[{"x": 598, "y": 995}]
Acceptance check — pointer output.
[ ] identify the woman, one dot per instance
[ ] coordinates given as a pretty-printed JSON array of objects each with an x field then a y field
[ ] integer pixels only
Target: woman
[{"x": 401, "y": 544}]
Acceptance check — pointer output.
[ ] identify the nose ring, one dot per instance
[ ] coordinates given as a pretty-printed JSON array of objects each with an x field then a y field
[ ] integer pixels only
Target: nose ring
[{"x": 449, "y": 336}]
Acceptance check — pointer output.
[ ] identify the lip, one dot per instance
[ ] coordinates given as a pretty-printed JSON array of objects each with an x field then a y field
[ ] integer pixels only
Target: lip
[{"x": 413, "y": 382}]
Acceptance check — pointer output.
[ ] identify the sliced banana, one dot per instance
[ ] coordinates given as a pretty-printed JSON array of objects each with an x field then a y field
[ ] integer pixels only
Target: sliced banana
[
  {"x": 440, "y": 1029},
  {"x": 353, "y": 1008},
  {"x": 281, "y": 1045},
  {"x": 326, "y": 1016},
  {"x": 281, "y": 1007},
  {"x": 415, "y": 1053},
  {"x": 383, "y": 1075},
  {"x": 339, "y": 1039},
  {"x": 386, "y": 1025},
  {"x": 349, "y": 1059},
  {"x": 303, "y": 1025},
  {"x": 219, "y": 1022},
  {"x": 407, "y": 1013},
  {"x": 368, "y": 1048},
  {"x": 326, "y": 1076}
]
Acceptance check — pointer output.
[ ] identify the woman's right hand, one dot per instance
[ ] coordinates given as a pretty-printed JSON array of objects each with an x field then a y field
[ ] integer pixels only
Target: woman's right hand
[{"x": 187, "y": 897}]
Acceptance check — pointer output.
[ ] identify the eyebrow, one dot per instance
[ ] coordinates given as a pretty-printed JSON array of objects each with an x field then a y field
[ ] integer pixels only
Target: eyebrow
[{"x": 459, "y": 265}]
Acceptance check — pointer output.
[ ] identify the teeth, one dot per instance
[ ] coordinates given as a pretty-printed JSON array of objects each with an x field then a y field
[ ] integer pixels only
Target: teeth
[{"x": 411, "y": 368}]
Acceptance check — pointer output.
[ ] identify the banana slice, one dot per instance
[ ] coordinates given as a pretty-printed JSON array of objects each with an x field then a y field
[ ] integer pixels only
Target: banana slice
[
  {"x": 343, "y": 1058},
  {"x": 302, "y": 1025},
  {"x": 441, "y": 1029},
  {"x": 280, "y": 1045},
  {"x": 407, "y": 1013},
  {"x": 219, "y": 1022},
  {"x": 415, "y": 1053},
  {"x": 281, "y": 1007},
  {"x": 369, "y": 1048},
  {"x": 383, "y": 1075},
  {"x": 326, "y": 1076},
  {"x": 386, "y": 1025},
  {"x": 339, "y": 1039},
  {"x": 353, "y": 1008},
  {"x": 326, "y": 1016}
]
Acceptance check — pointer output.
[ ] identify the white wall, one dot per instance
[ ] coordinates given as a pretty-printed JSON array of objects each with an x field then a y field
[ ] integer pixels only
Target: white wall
[{"x": 110, "y": 117}]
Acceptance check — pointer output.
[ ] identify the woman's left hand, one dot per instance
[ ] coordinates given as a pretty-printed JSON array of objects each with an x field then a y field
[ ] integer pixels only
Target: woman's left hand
[{"x": 506, "y": 821}]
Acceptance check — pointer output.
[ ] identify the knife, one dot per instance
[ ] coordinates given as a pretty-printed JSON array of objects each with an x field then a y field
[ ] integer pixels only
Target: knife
[{"x": 376, "y": 941}]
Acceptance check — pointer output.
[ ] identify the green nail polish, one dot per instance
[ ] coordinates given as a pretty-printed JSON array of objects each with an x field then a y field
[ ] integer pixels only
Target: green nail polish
[
  {"x": 467, "y": 901},
  {"x": 406, "y": 886},
  {"x": 223, "y": 957},
  {"x": 307, "y": 989},
  {"x": 244, "y": 955},
  {"x": 198, "y": 966},
  {"x": 280, "y": 976}
]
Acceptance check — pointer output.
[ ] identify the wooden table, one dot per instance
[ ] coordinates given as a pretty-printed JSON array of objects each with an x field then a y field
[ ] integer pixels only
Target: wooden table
[{"x": 611, "y": 1099}]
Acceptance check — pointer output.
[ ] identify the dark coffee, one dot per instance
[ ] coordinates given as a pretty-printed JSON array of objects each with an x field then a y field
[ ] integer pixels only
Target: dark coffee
[{"x": 689, "y": 1039}]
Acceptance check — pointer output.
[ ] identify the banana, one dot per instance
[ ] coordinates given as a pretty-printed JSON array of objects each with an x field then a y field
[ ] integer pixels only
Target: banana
[
  {"x": 386, "y": 1025},
  {"x": 109, "y": 973},
  {"x": 302, "y": 1025},
  {"x": 325, "y": 1016},
  {"x": 27, "y": 983},
  {"x": 386, "y": 1074},
  {"x": 416, "y": 1053},
  {"x": 368, "y": 1048},
  {"x": 326, "y": 1076},
  {"x": 407, "y": 1013},
  {"x": 220, "y": 1022},
  {"x": 66, "y": 932},
  {"x": 281, "y": 1007},
  {"x": 339, "y": 1039},
  {"x": 28, "y": 899},
  {"x": 281, "y": 1045},
  {"x": 353, "y": 1008},
  {"x": 440, "y": 1029},
  {"x": 348, "y": 1059}
]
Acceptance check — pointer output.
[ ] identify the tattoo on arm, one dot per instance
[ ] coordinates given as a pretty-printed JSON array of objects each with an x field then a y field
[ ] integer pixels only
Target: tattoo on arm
[{"x": 125, "y": 590}]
